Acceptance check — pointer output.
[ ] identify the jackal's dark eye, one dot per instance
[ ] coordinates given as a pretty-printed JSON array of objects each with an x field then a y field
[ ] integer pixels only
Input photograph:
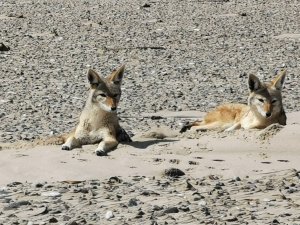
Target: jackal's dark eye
[
  {"x": 261, "y": 100},
  {"x": 274, "y": 100},
  {"x": 116, "y": 95},
  {"x": 103, "y": 95}
]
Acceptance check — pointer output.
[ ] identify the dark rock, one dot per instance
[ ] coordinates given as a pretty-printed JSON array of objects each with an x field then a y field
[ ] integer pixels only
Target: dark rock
[
  {"x": 156, "y": 117},
  {"x": 13, "y": 184},
  {"x": 174, "y": 172},
  {"x": 156, "y": 208},
  {"x": 140, "y": 214},
  {"x": 132, "y": 202},
  {"x": 39, "y": 185},
  {"x": 114, "y": 180},
  {"x": 16, "y": 205},
  {"x": 184, "y": 208},
  {"x": 53, "y": 220},
  {"x": 206, "y": 211},
  {"x": 146, "y": 5},
  {"x": 231, "y": 219},
  {"x": 189, "y": 186},
  {"x": 238, "y": 179},
  {"x": 171, "y": 210},
  {"x": 4, "y": 48}
]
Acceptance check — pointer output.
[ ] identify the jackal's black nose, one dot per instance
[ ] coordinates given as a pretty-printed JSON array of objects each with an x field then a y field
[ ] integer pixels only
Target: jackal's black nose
[
  {"x": 113, "y": 108},
  {"x": 268, "y": 114}
]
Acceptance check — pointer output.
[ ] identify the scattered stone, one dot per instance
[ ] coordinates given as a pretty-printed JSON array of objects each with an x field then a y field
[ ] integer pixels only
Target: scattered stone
[
  {"x": 171, "y": 210},
  {"x": 53, "y": 220},
  {"x": 202, "y": 203},
  {"x": 132, "y": 202},
  {"x": 189, "y": 186},
  {"x": 231, "y": 219},
  {"x": 146, "y": 5},
  {"x": 115, "y": 180},
  {"x": 174, "y": 172},
  {"x": 109, "y": 215},
  {"x": 16, "y": 205},
  {"x": 140, "y": 214},
  {"x": 51, "y": 194},
  {"x": 4, "y": 48}
]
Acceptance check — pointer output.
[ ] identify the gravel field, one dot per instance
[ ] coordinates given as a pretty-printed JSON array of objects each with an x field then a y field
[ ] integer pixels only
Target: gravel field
[
  {"x": 179, "y": 55},
  {"x": 144, "y": 200}
]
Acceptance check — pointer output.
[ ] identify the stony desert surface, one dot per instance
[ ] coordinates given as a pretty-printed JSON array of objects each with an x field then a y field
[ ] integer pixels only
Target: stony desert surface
[{"x": 182, "y": 59}]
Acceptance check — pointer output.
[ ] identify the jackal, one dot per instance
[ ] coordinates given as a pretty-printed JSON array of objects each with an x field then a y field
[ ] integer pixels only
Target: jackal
[
  {"x": 99, "y": 121},
  {"x": 264, "y": 108}
]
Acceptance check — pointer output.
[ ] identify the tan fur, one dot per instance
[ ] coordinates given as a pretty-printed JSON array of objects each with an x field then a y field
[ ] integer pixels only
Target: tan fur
[
  {"x": 99, "y": 121},
  {"x": 264, "y": 108}
]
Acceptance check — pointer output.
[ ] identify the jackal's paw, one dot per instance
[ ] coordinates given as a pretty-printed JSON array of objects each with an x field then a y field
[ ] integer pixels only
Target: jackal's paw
[
  {"x": 100, "y": 152},
  {"x": 185, "y": 126},
  {"x": 65, "y": 147},
  {"x": 124, "y": 136}
]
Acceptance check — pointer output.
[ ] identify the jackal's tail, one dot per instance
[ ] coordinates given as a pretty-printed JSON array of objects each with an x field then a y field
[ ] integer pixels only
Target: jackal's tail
[{"x": 53, "y": 140}]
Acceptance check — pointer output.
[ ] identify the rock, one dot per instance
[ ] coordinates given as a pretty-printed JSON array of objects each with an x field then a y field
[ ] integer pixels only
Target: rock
[
  {"x": 171, "y": 210},
  {"x": 115, "y": 180},
  {"x": 16, "y": 205},
  {"x": 53, "y": 220},
  {"x": 14, "y": 184},
  {"x": 184, "y": 208},
  {"x": 39, "y": 185},
  {"x": 146, "y": 5},
  {"x": 132, "y": 202},
  {"x": 4, "y": 47},
  {"x": 72, "y": 223},
  {"x": 174, "y": 172},
  {"x": 231, "y": 219},
  {"x": 156, "y": 208},
  {"x": 202, "y": 203},
  {"x": 140, "y": 214},
  {"x": 109, "y": 215},
  {"x": 51, "y": 194}
]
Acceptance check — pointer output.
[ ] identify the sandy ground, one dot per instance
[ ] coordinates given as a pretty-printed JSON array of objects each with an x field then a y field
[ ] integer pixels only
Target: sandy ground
[
  {"x": 240, "y": 177},
  {"x": 231, "y": 154}
]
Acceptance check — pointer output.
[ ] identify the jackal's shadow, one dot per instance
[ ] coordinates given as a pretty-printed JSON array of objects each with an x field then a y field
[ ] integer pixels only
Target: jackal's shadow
[{"x": 143, "y": 144}]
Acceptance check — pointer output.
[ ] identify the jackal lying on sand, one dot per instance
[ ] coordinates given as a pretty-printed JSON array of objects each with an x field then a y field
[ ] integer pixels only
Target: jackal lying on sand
[
  {"x": 99, "y": 121},
  {"x": 264, "y": 108}
]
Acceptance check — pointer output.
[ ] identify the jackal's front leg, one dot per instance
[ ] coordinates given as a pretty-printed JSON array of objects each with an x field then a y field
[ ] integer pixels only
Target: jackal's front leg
[
  {"x": 71, "y": 143},
  {"x": 107, "y": 144},
  {"x": 234, "y": 127}
]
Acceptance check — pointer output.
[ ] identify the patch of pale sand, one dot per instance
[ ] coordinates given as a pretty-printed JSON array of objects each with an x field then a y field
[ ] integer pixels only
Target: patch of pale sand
[
  {"x": 238, "y": 153},
  {"x": 179, "y": 114},
  {"x": 288, "y": 36}
]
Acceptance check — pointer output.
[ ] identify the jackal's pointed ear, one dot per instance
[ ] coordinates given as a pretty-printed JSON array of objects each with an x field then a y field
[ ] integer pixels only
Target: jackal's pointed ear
[
  {"x": 94, "y": 78},
  {"x": 117, "y": 75},
  {"x": 254, "y": 83},
  {"x": 279, "y": 80}
]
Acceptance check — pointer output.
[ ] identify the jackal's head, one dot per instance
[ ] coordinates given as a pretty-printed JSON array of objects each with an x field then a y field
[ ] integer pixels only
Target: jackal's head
[
  {"x": 265, "y": 98},
  {"x": 106, "y": 92}
]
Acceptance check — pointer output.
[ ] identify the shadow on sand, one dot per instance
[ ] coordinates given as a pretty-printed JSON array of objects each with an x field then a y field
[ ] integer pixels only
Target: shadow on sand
[{"x": 142, "y": 144}]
